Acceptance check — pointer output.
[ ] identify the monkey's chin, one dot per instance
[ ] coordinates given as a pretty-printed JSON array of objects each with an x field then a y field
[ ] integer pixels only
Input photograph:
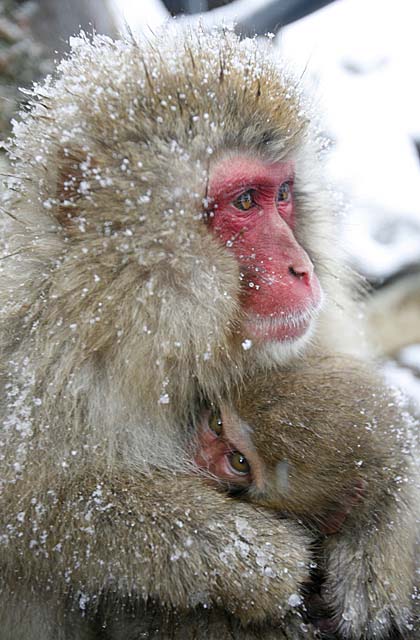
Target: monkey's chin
[
  {"x": 281, "y": 338},
  {"x": 279, "y": 353},
  {"x": 281, "y": 328}
]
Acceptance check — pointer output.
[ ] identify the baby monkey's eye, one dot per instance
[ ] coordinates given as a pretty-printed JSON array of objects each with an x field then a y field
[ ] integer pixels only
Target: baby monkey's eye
[
  {"x": 216, "y": 423},
  {"x": 246, "y": 201},
  {"x": 284, "y": 192},
  {"x": 239, "y": 463}
]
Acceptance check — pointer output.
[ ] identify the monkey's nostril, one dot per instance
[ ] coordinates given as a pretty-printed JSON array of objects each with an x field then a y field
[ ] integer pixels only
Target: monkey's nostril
[
  {"x": 303, "y": 273},
  {"x": 298, "y": 273}
]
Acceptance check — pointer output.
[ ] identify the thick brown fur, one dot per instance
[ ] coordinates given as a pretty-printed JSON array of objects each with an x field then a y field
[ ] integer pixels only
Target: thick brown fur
[
  {"x": 334, "y": 427},
  {"x": 119, "y": 312}
]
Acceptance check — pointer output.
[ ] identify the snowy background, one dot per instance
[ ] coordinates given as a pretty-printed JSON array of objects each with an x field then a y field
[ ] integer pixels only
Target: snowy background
[
  {"x": 360, "y": 58},
  {"x": 363, "y": 58}
]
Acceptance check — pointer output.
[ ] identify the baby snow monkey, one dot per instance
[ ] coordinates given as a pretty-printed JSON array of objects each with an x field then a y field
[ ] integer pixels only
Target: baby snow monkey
[{"x": 328, "y": 443}]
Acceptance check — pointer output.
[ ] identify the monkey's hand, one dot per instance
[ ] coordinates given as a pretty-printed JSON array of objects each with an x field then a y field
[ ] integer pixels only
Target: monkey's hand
[
  {"x": 167, "y": 538},
  {"x": 334, "y": 521},
  {"x": 188, "y": 545},
  {"x": 370, "y": 568}
]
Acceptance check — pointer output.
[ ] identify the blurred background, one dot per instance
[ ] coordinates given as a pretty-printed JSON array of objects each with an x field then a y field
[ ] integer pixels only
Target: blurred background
[{"x": 358, "y": 58}]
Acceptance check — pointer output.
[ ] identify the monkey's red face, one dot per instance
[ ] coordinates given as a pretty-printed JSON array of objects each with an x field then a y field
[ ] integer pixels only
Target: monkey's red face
[
  {"x": 220, "y": 444},
  {"x": 253, "y": 214}
]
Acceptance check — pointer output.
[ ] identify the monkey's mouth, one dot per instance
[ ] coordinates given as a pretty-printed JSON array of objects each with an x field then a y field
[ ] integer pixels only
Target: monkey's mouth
[{"x": 281, "y": 327}]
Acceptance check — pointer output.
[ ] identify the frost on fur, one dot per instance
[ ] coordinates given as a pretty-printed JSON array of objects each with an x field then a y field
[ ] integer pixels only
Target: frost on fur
[{"x": 120, "y": 313}]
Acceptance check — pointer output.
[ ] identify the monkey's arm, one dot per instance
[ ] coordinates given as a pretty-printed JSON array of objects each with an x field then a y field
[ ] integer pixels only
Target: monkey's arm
[
  {"x": 211, "y": 624},
  {"x": 370, "y": 567},
  {"x": 168, "y": 538}
]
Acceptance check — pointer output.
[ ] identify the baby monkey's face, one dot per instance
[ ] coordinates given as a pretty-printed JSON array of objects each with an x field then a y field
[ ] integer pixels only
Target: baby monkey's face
[
  {"x": 226, "y": 450},
  {"x": 275, "y": 464}
]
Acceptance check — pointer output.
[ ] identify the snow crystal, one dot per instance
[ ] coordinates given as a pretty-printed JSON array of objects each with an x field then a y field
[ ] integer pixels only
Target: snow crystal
[
  {"x": 269, "y": 572},
  {"x": 243, "y": 548},
  {"x": 244, "y": 528},
  {"x": 83, "y": 601},
  {"x": 295, "y": 600},
  {"x": 84, "y": 187},
  {"x": 264, "y": 557},
  {"x": 349, "y": 614}
]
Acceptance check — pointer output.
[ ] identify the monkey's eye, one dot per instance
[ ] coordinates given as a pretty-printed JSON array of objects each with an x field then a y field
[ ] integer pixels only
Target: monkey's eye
[
  {"x": 239, "y": 463},
  {"x": 246, "y": 201},
  {"x": 216, "y": 423},
  {"x": 284, "y": 192}
]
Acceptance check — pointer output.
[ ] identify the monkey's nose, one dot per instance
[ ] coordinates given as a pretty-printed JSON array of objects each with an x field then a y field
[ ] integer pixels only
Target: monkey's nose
[{"x": 302, "y": 272}]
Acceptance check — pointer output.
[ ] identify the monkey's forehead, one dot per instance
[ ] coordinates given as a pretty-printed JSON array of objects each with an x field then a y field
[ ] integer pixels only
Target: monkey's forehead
[{"x": 183, "y": 93}]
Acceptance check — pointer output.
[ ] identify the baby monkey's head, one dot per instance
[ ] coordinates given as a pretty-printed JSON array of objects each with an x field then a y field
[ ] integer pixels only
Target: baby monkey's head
[{"x": 302, "y": 442}]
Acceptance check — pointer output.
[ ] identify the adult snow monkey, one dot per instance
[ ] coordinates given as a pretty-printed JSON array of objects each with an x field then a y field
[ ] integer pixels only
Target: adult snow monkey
[{"x": 167, "y": 229}]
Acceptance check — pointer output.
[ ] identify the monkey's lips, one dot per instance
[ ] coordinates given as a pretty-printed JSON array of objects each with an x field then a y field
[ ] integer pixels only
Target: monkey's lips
[{"x": 282, "y": 327}]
